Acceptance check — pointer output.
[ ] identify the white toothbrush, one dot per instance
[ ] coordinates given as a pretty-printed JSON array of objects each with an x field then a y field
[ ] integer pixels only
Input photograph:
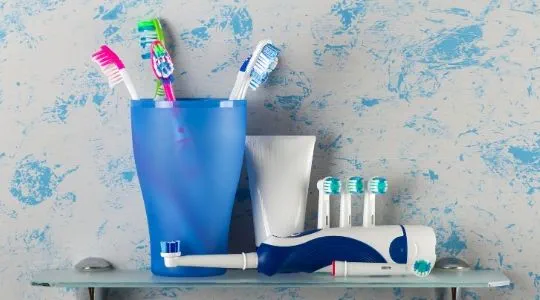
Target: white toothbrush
[
  {"x": 376, "y": 185},
  {"x": 355, "y": 185},
  {"x": 255, "y": 69},
  {"x": 326, "y": 186}
]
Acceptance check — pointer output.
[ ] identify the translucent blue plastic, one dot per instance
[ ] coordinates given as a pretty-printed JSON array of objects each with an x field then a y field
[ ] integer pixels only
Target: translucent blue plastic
[{"x": 188, "y": 155}]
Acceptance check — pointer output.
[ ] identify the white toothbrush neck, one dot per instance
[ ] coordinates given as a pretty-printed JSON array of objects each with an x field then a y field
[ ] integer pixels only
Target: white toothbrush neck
[
  {"x": 129, "y": 84},
  {"x": 227, "y": 261}
]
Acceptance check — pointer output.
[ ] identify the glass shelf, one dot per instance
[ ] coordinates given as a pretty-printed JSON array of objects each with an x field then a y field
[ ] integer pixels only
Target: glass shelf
[{"x": 250, "y": 278}]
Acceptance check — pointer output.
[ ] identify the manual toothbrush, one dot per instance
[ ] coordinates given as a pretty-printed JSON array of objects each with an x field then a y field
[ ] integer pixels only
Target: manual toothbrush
[
  {"x": 255, "y": 69},
  {"x": 163, "y": 68},
  {"x": 326, "y": 186},
  {"x": 376, "y": 185},
  {"x": 149, "y": 32},
  {"x": 355, "y": 185},
  {"x": 112, "y": 66}
]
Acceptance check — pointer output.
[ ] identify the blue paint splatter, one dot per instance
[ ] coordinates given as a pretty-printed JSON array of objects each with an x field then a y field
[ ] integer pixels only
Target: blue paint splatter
[
  {"x": 2, "y": 37},
  {"x": 336, "y": 143},
  {"x": 111, "y": 14},
  {"x": 459, "y": 11},
  {"x": 526, "y": 156},
  {"x": 37, "y": 238},
  {"x": 292, "y": 102},
  {"x": 220, "y": 67},
  {"x": 236, "y": 19},
  {"x": 470, "y": 131},
  {"x": 98, "y": 99},
  {"x": 535, "y": 278},
  {"x": 128, "y": 175},
  {"x": 454, "y": 244},
  {"x": 62, "y": 106},
  {"x": 426, "y": 125},
  {"x": 101, "y": 229},
  {"x": 110, "y": 31},
  {"x": 431, "y": 175},
  {"x": 370, "y": 102},
  {"x": 425, "y": 63},
  {"x": 337, "y": 40},
  {"x": 453, "y": 49},
  {"x": 361, "y": 106},
  {"x": 34, "y": 181}
]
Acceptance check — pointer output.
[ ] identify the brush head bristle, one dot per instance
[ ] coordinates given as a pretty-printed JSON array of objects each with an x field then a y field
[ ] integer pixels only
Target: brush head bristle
[
  {"x": 265, "y": 63},
  {"x": 422, "y": 268},
  {"x": 149, "y": 32},
  {"x": 162, "y": 64},
  {"x": 355, "y": 185},
  {"x": 110, "y": 64},
  {"x": 170, "y": 246},
  {"x": 378, "y": 185},
  {"x": 331, "y": 185}
]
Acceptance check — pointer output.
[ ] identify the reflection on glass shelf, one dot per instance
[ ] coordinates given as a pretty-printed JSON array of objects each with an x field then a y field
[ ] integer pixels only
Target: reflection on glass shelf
[{"x": 234, "y": 278}]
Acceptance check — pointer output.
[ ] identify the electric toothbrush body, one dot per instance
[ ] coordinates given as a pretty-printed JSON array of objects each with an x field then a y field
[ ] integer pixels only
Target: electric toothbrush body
[{"x": 400, "y": 246}]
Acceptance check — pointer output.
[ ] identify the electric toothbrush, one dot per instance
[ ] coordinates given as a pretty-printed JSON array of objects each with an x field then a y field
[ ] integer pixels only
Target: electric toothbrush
[
  {"x": 326, "y": 186},
  {"x": 407, "y": 249},
  {"x": 355, "y": 185},
  {"x": 376, "y": 185}
]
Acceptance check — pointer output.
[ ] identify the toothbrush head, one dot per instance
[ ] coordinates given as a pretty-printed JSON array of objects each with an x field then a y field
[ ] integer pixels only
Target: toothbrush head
[
  {"x": 149, "y": 32},
  {"x": 378, "y": 185},
  {"x": 265, "y": 62},
  {"x": 110, "y": 64},
  {"x": 355, "y": 185},
  {"x": 162, "y": 64},
  {"x": 422, "y": 268},
  {"x": 331, "y": 185},
  {"x": 170, "y": 249}
]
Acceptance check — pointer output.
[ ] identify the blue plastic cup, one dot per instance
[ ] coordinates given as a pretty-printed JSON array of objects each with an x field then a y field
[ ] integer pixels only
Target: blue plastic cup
[{"x": 188, "y": 155}]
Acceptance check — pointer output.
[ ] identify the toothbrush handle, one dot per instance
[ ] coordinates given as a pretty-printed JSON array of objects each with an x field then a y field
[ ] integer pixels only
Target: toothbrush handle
[
  {"x": 345, "y": 210},
  {"x": 169, "y": 92},
  {"x": 366, "y": 218},
  {"x": 372, "y": 209},
  {"x": 238, "y": 84},
  {"x": 323, "y": 216},
  {"x": 129, "y": 84},
  {"x": 158, "y": 95}
]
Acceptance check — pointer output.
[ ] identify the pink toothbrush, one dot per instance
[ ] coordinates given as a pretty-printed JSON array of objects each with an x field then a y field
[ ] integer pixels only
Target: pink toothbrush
[
  {"x": 163, "y": 68},
  {"x": 112, "y": 66}
]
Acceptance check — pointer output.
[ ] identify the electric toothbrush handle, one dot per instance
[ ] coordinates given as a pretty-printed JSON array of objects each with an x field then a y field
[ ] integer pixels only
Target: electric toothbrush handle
[{"x": 344, "y": 269}]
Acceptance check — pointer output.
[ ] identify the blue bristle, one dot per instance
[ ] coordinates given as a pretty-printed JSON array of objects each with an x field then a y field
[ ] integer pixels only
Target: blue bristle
[
  {"x": 270, "y": 51},
  {"x": 163, "y": 247}
]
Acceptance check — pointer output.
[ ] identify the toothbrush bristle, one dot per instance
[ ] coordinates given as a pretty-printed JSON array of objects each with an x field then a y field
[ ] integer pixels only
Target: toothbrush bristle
[
  {"x": 110, "y": 64},
  {"x": 170, "y": 247},
  {"x": 162, "y": 64},
  {"x": 265, "y": 63},
  {"x": 355, "y": 185},
  {"x": 378, "y": 185},
  {"x": 149, "y": 32},
  {"x": 422, "y": 268},
  {"x": 332, "y": 185}
]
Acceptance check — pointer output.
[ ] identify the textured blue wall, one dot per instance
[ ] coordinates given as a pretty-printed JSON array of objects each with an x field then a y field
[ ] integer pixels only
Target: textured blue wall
[{"x": 440, "y": 96}]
